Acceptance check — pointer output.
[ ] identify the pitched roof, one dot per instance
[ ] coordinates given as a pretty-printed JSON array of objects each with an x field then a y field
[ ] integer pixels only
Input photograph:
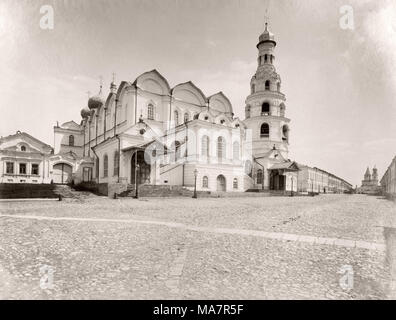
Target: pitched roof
[
  {"x": 26, "y": 135},
  {"x": 288, "y": 165}
]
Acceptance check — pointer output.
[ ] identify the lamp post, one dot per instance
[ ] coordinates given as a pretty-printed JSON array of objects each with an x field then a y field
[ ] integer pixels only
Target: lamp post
[
  {"x": 195, "y": 184},
  {"x": 291, "y": 194},
  {"x": 137, "y": 167}
]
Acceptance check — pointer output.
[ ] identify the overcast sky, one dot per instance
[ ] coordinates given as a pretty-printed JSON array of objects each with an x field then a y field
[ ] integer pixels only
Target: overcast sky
[{"x": 340, "y": 84}]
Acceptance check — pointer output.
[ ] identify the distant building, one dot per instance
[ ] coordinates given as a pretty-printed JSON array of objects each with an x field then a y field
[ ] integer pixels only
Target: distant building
[
  {"x": 24, "y": 159},
  {"x": 319, "y": 181},
  {"x": 370, "y": 183},
  {"x": 388, "y": 181}
]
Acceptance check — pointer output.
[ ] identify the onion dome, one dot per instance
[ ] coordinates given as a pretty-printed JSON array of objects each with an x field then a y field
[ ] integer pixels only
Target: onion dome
[
  {"x": 85, "y": 112},
  {"x": 267, "y": 36},
  {"x": 95, "y": 102}
]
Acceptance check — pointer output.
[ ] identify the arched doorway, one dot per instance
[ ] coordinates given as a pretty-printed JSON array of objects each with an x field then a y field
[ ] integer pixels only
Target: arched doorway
[
  {"x": 221, "y": 183},
  {"x": 144, "y": 168},
  {"x": 62, "y": 173}
]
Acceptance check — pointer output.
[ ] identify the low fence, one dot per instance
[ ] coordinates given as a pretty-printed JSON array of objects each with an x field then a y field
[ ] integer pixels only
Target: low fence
[
  {"x": 27, "y": 190},
  {"x": 96, "y": 188}
]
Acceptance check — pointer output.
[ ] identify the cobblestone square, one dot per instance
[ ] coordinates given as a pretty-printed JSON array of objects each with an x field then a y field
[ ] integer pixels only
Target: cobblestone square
[{"x": 181, "y": 248}]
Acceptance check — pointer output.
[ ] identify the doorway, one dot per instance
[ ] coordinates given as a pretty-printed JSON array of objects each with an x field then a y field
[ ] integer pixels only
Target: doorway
[{"x": 221, "y": 183}]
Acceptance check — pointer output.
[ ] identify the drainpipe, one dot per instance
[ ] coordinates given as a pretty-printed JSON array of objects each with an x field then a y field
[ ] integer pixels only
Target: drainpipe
[
  {"x": 96, "y": 129},
  {"x": 184, "y": 162},
  {"x": 170, "y": 109},
  {"x": 119, "y": 157},
  {"x": 89, "y": 137},
  {"x": 84, "y": 141},
  {"x": 136, "y": 88},
  {"x": 104, "y": 124},
  {"x": 97, "y": 170},
  {"x": 115, "y": 117}
]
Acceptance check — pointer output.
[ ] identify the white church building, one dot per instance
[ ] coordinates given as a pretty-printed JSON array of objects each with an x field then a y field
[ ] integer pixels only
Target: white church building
[{"x": 148, "y": 132}]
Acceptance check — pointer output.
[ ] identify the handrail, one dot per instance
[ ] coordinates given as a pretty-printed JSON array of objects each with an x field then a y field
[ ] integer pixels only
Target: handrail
[{"x": 179, "y": 164}]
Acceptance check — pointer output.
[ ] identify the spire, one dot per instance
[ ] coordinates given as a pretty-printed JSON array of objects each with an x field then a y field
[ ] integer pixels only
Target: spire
[
  {"x": 113, "y": 86},
  {"x": 266, "y": 37},
  {"x": 100, "y": 84}
]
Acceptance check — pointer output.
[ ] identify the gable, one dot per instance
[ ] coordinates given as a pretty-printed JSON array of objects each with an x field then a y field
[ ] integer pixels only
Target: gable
[
  {"x": 70, "y": 125},
  {"x": 154, "y": 82},
  {"x": 219, "y": 103},
  {"x": 21, "y": 139},
  {"x": 188, "y": 92}
]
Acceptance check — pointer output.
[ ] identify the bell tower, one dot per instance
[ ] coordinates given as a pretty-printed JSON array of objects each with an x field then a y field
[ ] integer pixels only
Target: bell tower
[
  {"x": 265, "y": 117},
  {"x": 265, "y": 106}
]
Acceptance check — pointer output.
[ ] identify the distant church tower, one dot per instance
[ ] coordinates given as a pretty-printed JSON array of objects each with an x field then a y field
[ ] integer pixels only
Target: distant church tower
[
  {"x": 265, "y": 112},
  {"x": 374, "y": 177},
  {"x": 367, "y": 175},
  {"x": 370, "y": 182}
]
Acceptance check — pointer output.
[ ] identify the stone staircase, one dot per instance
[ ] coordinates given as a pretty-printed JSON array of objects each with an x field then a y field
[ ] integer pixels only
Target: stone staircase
[
  {"x": 146, "y": 190},
  {"x": 67, "y": 192},
  {"x": 179, "y": 191}
]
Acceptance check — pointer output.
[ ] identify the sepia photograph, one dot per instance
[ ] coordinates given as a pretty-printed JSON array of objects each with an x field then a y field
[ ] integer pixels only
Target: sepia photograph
[{"x": 197, "y": 150}]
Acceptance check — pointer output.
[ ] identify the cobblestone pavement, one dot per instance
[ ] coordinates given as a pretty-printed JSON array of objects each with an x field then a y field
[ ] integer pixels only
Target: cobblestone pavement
[{"x": 234, "y": 248}]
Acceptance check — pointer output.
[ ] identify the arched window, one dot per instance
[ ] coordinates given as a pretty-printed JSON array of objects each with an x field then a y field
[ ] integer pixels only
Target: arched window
[
  {"x": 265, "y": 108},
  {"x": 205, "y": 182},
  {"x": 116, "y": 163},
  {"x": 205, "y": 146},
  {"x": 247, "y": 112},
  {"x": 23, "y": 148},
  {"x": 285, "y": 133},
  {"x": 282, "y": 110},
  {"x": 259, "y": 176},
  {"x": 264, "y": 130},
  {"x": 150, "y": 112},
  {"x": 235, "y": 183},
  {"x": 176, "y": 118},
  {"x": 253, "y": 88},
  {"x": 105, "y": 166},
  {"x": 71, "y": 140},
  {"x": 186, "y": 117},
  {"x": 267, "y": 85},
  {"x": 235, "y": 150},
  {"x": 265, "y": 58},
  {"x": 221, "y": 148}
]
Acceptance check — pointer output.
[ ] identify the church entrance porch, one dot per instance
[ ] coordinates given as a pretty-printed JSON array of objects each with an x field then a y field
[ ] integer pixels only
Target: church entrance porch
[
  {"x": 283, "y": 176},
  {"x": 140, "y": 169},
  {"x": 277, "y": 181}
]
